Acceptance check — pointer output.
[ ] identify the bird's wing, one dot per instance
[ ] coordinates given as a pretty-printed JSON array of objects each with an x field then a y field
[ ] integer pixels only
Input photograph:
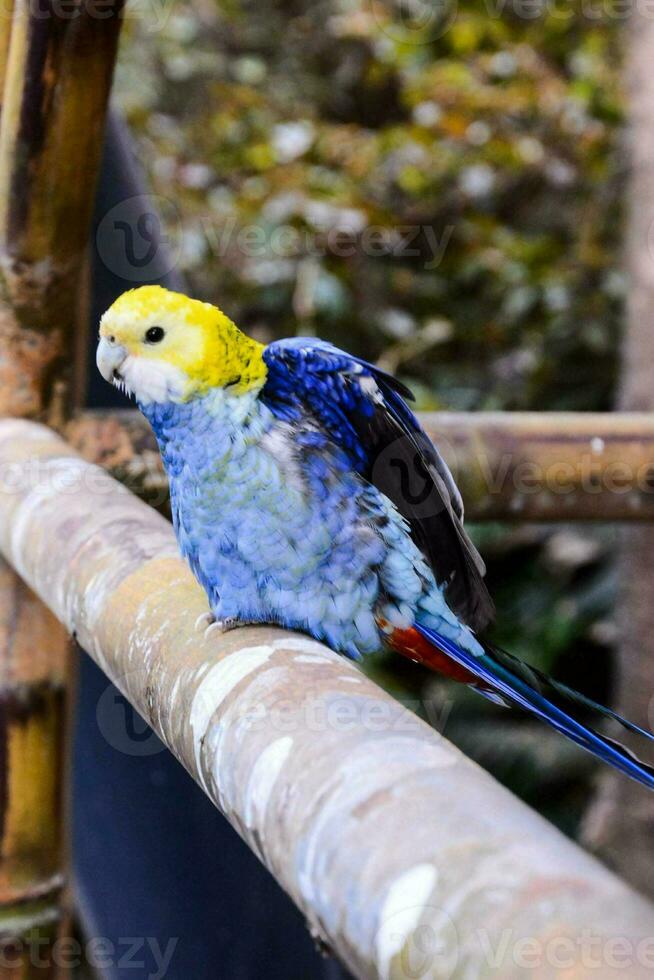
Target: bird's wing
[{"x": 364, "y": 411}]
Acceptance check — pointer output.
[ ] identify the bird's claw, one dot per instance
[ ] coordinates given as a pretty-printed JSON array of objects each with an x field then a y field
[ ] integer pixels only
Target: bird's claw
[
  {"x": 223, "y": 626},
  {"x": 208, "y": 623},
  {"x": 204, "y": 621}
]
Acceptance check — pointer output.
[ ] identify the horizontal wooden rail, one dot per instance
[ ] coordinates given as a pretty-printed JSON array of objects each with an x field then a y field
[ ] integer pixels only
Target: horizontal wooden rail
[
  {"x": 406, "y": 858},
  {"x": 532, "y": 466}
]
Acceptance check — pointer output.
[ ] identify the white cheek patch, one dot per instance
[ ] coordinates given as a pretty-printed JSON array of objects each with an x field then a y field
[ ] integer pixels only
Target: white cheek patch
[{"x": 153, "y": 381}]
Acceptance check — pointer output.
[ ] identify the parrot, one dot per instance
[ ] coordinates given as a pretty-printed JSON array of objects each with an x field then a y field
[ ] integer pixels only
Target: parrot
[{"x": 305, "y": 494}]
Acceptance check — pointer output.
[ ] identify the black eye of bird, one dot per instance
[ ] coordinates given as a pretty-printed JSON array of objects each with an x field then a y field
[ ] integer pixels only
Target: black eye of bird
[{"x": 154, "y": 334}]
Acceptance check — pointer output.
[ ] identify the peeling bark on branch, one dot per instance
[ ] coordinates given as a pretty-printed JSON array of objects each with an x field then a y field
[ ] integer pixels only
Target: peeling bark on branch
[{"x": 390, "y": 841}]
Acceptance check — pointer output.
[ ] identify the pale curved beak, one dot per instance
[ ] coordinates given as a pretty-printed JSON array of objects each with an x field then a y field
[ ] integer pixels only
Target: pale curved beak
[{"x": 109, "y": 358}]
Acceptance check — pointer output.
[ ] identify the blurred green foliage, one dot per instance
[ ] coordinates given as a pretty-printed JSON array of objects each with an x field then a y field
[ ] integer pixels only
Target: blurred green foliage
[
  {"x": 437, "y": 187},
  {"x": 296, "y": 139}
]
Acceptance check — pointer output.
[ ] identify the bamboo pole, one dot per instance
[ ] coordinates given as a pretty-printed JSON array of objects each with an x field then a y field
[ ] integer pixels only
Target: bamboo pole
[
  {"x": 51, "y": 134},
  {"x": 406, "y": 858},
  {"x": 5, "y": 34},
  {"x": 619, "y": 825},
  {"x": 509, "y": 466},
  {"x": 58, "y": 61},
  {"x": 32, "y": 713}
]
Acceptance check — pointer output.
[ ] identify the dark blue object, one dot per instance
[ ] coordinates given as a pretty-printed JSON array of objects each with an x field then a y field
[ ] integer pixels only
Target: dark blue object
[{"x": 160, "y": 873}]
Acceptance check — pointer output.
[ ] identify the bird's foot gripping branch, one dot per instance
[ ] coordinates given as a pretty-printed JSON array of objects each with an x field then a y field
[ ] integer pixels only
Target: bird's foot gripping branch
[{"x": 390, "y": 841}]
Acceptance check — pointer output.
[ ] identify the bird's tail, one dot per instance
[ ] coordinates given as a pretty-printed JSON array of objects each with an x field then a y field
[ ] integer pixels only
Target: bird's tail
[{"x": 502, "y": 677}]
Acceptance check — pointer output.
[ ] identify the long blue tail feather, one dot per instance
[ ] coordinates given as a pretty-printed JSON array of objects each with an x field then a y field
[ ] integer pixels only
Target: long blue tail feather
[{"x": 525, "y": 687}]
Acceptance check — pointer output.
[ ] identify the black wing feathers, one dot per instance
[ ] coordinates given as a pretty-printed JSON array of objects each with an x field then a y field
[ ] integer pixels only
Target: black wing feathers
[{"x": 407, "y": 468}]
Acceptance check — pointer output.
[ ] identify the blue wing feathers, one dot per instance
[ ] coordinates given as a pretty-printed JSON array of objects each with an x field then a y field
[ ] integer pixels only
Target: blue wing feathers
[
  {"x": 386, "y": 445},
  {"x": 304, "y": 370}
]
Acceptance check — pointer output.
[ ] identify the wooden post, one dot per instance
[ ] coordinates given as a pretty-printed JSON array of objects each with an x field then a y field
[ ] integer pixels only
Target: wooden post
[
  {"x": 56, "y": 88},
  {"x": 57, "y": 62},
  {"x": 619, "y": 826},
  {"x": 510, "y": 466}
]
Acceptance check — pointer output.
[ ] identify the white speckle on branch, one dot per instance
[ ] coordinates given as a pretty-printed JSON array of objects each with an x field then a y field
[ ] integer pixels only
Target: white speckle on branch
[
  {"x": 401, "y": 912},
  {"x": 306, "y": 646},
  {"x": 263, "y": 778},
  {"x": 217, "y": 685}
]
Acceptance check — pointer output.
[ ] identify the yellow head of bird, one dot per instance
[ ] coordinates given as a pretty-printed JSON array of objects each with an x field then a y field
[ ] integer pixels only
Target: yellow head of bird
[{"x": 162, "y": 346}]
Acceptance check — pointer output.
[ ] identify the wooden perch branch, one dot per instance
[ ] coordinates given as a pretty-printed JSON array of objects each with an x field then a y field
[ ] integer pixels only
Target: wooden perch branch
[
  {"x": 533, "y": 466},
  {"x": 391, "y": 842}
]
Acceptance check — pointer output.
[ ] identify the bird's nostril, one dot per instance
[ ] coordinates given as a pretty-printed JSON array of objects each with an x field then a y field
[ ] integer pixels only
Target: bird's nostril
[{"x": 112, "y": 339}]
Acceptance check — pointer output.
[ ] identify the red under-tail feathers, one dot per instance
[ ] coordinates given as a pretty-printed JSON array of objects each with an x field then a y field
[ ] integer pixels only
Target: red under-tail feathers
[{"x": 414, "y": 646}]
